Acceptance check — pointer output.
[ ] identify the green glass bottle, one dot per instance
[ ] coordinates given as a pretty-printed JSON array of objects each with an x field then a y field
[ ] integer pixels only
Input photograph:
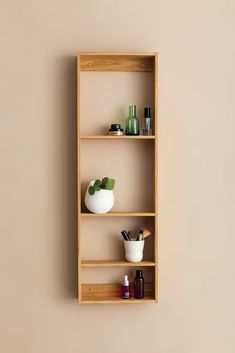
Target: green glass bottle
[{"x": 132, "y": 122}]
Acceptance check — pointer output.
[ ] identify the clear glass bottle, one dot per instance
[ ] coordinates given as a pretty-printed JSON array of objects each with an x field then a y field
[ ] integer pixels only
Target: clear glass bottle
[
  {"x": 132, "y": 122},
  {"x": 146, "y": 126}
]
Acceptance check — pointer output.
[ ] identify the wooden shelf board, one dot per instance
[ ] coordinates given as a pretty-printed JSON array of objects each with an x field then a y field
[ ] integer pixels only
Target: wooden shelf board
[
  {"x": 123, "y": 137},
  {"x": 111, "y": 300},
  {"x": 114, "y": 263},
  {"x": 110, "y": 294},
  {"x": 118, "y": 62},
  {"x": 119, "y": 214}
]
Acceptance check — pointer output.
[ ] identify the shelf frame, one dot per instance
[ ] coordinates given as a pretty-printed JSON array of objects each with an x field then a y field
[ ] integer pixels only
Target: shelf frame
[{"x": 111, "y": 61}]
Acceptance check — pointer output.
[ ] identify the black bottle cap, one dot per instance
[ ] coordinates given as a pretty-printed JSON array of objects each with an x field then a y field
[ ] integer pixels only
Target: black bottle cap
[
  {"x": 139, "y": 273},
  {"x": 147, "y": 112},
  {"x": 115, "y": 127}
]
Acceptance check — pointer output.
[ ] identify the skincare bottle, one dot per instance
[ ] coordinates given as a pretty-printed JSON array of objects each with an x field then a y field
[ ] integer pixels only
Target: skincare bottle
[
  {"x": 146, "y": 128},
  {"x": 139, "y": 285},
  {"x": 126, "y": 288},
  {"x": 116, "y": 130}
]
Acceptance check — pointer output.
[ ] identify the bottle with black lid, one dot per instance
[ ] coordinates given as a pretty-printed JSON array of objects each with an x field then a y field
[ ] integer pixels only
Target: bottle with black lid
[
  {"x": 116, "y": 130},
  {"x": 139, "y": 285},
  {"x": 147, "y": 116}
]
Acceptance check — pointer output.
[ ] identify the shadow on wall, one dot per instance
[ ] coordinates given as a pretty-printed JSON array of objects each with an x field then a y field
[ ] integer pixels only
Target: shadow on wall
[{"x": 67, "y": 103}]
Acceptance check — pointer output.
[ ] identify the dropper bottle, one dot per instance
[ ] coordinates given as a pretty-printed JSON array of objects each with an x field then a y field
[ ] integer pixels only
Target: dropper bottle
[{"x": 126, "y": 288}]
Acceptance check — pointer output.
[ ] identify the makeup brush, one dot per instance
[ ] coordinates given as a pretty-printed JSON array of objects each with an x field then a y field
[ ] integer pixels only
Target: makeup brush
[
  {"x": 145, "y": 232},
  {"x": 140, "y": 236},
  {"x": 125, "y": 235}
]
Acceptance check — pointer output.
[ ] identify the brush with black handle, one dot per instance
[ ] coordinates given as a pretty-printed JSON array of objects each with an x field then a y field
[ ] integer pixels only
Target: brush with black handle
[
  {"x": 143, "y": 233},
  {"x": 125, "y": 235}
]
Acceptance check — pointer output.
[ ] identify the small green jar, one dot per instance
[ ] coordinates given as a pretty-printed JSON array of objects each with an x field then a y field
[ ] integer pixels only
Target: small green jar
[{"x": 132, "y": 122}]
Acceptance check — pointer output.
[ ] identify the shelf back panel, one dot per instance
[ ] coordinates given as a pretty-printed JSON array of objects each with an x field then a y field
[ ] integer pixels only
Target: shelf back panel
[
  {"x": 130, "y": 163},
  {"x": 105, "y": 97},
  {"x": 100, "y": 240},
  {"x": 114, "y": 274}
]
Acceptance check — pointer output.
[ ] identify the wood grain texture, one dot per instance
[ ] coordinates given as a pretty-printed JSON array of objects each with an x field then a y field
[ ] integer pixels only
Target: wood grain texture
[
  {"x": 114, "y": 263},
  {"x": 116, "y": 63},
  {"x": 110, "y": 294}
]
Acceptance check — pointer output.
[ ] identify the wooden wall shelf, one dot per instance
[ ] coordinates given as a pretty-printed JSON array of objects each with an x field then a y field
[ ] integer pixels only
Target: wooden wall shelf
[{"x": 132, "y": 164}]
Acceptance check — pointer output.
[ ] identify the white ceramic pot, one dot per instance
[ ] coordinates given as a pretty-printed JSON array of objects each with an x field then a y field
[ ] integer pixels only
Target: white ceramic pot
[
  {"x": 101, "y": 202},
  {"x": 134, "y": 250}
]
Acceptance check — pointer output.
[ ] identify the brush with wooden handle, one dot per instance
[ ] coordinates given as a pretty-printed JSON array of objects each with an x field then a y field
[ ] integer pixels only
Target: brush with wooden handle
[{"x": 144, "y": 233}]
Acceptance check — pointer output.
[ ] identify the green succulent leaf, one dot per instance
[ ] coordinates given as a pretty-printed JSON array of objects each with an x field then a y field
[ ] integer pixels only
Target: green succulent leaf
[
  {"x": 104, "y": 182},
  {"x": 97, "y": 183},
  {"x": 110, "y": 184},
  {"x": 91, "y": 190}
]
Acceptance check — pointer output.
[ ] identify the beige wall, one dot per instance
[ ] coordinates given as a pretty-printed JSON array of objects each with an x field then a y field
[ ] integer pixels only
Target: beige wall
[{"x": 38, "y": 309}]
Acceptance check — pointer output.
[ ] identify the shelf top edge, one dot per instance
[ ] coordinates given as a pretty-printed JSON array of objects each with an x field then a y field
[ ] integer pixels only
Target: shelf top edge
[
  {"x": 117, "y": 263},
  {"x": 121, "y": 137},
  {"x": 119, "y": 214},
  {"x": 145, "y": 54},
  {"x": 111, "y": 261}
]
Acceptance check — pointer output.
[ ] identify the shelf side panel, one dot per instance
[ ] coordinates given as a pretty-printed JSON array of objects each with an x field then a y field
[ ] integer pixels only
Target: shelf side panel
[
  {"x": 78, "y": 182},
  {"x": 156, "y": 174}
]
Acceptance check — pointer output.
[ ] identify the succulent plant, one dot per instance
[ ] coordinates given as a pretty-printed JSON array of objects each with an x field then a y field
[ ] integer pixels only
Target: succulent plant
[{"x": 105, "y": 184}]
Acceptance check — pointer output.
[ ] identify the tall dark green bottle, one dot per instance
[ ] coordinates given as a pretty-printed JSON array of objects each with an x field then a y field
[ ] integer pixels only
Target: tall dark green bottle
[{"x": 132, "y": 122}]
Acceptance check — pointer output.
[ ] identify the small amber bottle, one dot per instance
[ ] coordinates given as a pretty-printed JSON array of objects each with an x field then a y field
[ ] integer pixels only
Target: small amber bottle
[{"x": 139, "y": 285}]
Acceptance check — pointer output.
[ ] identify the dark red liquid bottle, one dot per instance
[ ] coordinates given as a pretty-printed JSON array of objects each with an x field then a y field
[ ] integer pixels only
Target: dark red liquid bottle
[
  {"x": 139, "y": 285},
  {"x": 125, "y": 289}
]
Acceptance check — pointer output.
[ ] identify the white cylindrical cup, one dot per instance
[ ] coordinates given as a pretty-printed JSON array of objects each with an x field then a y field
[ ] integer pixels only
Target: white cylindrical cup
[{"x": 134, "y": 250}]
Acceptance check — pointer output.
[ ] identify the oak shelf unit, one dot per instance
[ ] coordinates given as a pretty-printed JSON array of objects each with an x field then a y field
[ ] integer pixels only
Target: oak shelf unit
[{"x": 130, "y": 160}]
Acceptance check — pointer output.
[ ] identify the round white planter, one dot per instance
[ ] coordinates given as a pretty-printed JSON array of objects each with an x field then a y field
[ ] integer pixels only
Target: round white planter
[{"x": 101, "y": 202}]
